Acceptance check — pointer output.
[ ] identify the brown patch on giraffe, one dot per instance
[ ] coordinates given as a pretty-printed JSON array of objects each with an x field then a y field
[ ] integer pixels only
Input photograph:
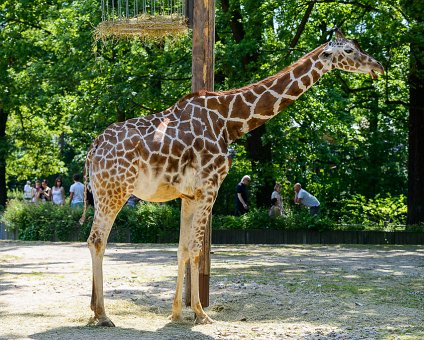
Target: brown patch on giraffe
[
  {"x": 143, "y": 152},
  {"x": 250, "y": 97},
  {"x": 199, "y": 144},
  {"x": 187, "y": 159},
  {"x": 319, "y": 65},
  {"x": 234, "y": 130},
  {"x": 282, "y": 83},
  {"x": 225, "y": 104},
  {"x": 165, "y": 146},
  {"x": 157, "y": 163},
  {"x": 264, "y": 105},
  {"x": 172, "y": 166},
  {"x": 254, "y": 123},
  {"x": 294, "y": 90},
  {"x": 177, "y": 148},
  {"x": 205, "y": 157},
  {"x": 213, "y": 103},
  {"x": 302, "y": 69},
  {"x": 240, "y": 109},
  {"x": 315, "y": 75},
  {"x": 306, "y": 81}
]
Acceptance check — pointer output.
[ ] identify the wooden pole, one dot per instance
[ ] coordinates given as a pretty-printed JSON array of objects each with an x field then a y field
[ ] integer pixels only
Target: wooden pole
[{"x": 202, "y": 79}]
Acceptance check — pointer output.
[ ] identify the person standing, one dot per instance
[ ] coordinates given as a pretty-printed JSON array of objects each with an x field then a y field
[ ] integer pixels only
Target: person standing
[
  {"x": 276, "y": 194},
  {"x": 36, "y": 191},
  {"x": 301, "y": 196},
  {"x": 45, "y": 194},
  {"x": 58, "y": 193},
  {"x": 76, "y": 193},
  {"x": 242, "y": 196},
  {"x": 27, "y": 191}
]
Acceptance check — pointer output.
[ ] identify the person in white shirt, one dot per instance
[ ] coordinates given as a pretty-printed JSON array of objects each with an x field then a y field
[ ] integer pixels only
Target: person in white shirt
[
  {"x": 27, "y": 191},
  {"x": 301, "y": 196},
  {"x": 58, "y": 193},
  {"x": 76, "y": 193}
]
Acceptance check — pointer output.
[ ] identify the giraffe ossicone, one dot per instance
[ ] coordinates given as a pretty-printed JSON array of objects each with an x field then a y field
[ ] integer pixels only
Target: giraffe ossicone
[{"x": 182, "y": 152}]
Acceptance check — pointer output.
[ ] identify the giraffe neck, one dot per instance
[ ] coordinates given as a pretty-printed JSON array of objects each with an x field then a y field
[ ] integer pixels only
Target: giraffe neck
[{"x": 249, "y": 107}]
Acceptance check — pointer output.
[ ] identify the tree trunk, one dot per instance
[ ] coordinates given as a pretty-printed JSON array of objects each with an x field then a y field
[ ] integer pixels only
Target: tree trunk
[
  {"x": 3, "y": 153},
  {"x": 416, "y": 135}
]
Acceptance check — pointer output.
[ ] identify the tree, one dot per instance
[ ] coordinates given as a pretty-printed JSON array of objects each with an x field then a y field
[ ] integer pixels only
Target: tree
[{"x": 414, "y": 13}]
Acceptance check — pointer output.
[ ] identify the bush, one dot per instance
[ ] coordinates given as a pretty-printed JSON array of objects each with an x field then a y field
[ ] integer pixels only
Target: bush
[
  {"x": 48, "y": 222},
  {"x": 259, "y": 219},
  {"x": 150, "y": 222},
  {"x": 379, "y": 213}
]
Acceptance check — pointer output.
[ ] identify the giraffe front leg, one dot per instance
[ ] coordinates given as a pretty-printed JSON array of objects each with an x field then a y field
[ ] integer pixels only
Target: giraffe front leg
[
  {"x": 177, "y": 305},
  {"x": 97, "y": 245},
  {"x": 187, "y": 211}
]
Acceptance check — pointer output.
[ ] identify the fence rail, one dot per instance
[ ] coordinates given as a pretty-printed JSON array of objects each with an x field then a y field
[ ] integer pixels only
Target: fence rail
[{"x": 269, "y": 236}]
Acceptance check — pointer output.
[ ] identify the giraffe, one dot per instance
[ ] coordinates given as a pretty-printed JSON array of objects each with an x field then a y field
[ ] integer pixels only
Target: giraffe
[{"x": 182, "y": 152}]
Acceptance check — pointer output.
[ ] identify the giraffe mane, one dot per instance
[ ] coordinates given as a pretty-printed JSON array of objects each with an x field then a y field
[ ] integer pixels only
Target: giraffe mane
[{"x": 248, "y": 87}]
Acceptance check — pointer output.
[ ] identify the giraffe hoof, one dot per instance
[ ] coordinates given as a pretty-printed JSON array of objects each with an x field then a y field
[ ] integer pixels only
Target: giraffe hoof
[
  {"x": 203, "y": 320},
  {"x": 105, "y": 322},
  {"x": 175, "y": 317}
]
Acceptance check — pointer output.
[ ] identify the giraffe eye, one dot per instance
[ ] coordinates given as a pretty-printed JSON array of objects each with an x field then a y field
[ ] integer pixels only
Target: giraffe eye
[
  {"x": 326, "y": 54},
  {"x": 349, "y": 50}
]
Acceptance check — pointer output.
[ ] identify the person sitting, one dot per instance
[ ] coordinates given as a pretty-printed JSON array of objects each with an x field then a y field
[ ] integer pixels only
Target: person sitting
[{"x": 275, "y": 210}]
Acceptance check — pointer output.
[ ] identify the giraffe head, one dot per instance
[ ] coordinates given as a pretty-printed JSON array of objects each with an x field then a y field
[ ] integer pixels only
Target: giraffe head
[{"x": 347, "y": 55}]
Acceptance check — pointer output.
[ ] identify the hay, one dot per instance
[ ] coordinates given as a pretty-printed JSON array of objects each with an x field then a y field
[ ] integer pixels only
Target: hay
[{"x": 144, "y": 26}]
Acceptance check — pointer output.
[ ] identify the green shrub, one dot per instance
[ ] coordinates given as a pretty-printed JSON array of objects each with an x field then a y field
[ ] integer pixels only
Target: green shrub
[
  {"x": 259, "y": 219},
  {"x": 379, "y": 213},
  {"x": 48, "y": 222}
]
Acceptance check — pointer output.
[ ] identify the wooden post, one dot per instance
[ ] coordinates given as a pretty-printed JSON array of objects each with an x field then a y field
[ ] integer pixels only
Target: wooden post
[{"x": 202, "y": 79}]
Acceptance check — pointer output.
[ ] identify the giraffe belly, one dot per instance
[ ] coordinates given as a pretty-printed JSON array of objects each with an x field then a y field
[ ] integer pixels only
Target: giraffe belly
[{"x": 162, "y": 194}]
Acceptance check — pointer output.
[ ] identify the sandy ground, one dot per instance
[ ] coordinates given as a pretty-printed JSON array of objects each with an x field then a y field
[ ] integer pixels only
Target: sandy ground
[{"x": 257, "y": 292}]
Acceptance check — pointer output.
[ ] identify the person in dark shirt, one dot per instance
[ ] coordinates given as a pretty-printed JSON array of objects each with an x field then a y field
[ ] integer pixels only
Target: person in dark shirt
[{"x": 241, "y": 196}]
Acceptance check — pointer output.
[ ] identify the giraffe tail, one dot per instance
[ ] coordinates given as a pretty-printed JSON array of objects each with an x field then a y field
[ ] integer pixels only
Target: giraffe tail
[{"x": 86, "y": 175}]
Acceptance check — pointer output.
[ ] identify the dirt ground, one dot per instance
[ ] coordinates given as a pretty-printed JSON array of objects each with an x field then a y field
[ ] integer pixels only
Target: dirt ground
[{"x": 257, "y": 292}]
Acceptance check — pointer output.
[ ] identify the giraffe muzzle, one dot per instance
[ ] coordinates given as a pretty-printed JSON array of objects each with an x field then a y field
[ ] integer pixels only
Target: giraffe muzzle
[{"x": 376, "y": 67}]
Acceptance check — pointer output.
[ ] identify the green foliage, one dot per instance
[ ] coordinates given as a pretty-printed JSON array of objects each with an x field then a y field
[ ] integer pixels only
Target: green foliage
[
  {"x": 347, "y": 135},
  {"x": 378, "y": 213},
  {"x": 49, "y": 222},
  {"x": 259, "y": 219}
]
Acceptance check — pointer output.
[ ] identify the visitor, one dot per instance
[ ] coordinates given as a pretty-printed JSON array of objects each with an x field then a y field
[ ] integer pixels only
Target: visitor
[
  {"x": 45, "y": 193},
  {"x": 36, "y": 190},
  {"x": 242, "y": 196},
  {"x": 276, "y": 194},
  {"x": 132, "y": 201},
  {"x": 27, "y": 191},
  {"x": 58, "y": 192},
  {"x": 301, "y": 196},
  {"x": 76, "y": 192},
  {"x": 275, "y": 210}
]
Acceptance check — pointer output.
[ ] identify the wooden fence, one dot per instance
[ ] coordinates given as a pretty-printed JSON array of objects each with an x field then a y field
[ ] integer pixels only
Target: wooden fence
[{"x": 268, "y": 236}]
